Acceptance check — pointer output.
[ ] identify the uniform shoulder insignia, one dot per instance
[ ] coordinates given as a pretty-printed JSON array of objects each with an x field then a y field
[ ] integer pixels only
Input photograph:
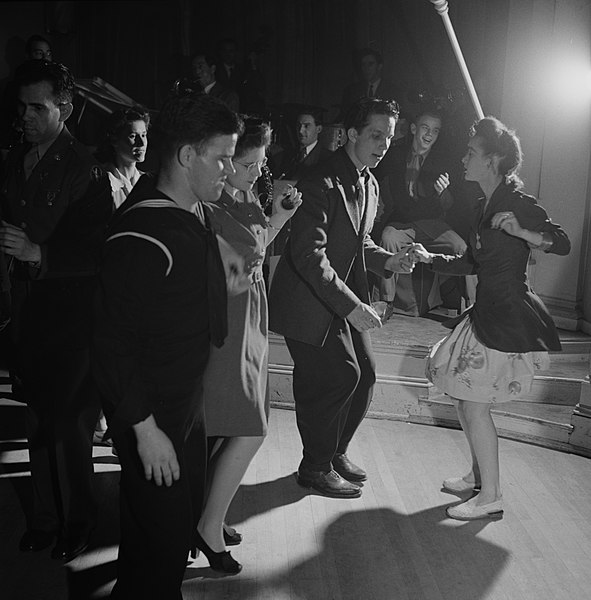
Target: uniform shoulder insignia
[{"x": 96, "y": 173}]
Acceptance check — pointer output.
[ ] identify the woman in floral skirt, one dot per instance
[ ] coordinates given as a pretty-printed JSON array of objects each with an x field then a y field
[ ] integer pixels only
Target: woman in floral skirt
[{"x": 499, "y": 342}]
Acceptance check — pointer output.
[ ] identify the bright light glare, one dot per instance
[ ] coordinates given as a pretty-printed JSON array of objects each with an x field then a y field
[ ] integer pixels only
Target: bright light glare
[{"x": 568, "y": 82}]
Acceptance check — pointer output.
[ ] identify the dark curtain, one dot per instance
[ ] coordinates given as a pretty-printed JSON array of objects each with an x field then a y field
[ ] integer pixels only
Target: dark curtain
[{"x": 304, "y": 48}]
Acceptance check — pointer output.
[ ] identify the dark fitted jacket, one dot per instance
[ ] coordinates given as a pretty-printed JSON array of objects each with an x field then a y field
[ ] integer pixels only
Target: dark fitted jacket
[
  {"x": 161, "y": 294},
  {"x": 291, "y": 168},
  {"x": 64, "y": 207},
  {"x": 387, "y": 90},
  {"x": 322, "y": 272},
  {"x": 508, "y": 315},
  {"x": 399, "y": 206}
]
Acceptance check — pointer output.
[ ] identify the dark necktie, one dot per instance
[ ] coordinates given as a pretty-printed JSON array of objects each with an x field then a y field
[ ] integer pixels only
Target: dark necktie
[
  {"x": 413, "y": 168},
  {"x": 371, "y": 91},
  {"x": 361, "y": 193},
  {"x": 30, "y": 160}
]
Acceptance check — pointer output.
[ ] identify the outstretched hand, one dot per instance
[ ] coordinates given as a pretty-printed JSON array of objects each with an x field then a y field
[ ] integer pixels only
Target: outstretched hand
[
  {"x": 419, "y": 253},
  {"x": 401, "y": 262}
]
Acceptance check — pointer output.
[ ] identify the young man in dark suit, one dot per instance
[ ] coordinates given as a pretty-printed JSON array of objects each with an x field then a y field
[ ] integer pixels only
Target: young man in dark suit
[
  {"x": 296, "y": 163},
  {"x": 204, "y": 70},
  {"x": 319, "y": 299},
  {"x": 371, "y": 83}
]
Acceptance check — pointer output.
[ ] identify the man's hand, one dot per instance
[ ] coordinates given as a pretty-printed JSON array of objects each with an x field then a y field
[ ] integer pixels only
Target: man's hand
[
  {"x": 156, "y": 453},
  {"x": 15, "y": 242},
  {"x": 401, "y": 262},
  {"x": 441, "y": 183},
  {"x": 363, "y": 317}
]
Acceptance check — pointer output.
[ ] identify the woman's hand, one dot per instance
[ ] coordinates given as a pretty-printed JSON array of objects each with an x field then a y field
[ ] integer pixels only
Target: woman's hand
[
  {"x": 401, "y": 262},
  {"x": 508, "y": 222},
  {"x": 418, "y": 253},
  {"x": 286, "y": 200}
]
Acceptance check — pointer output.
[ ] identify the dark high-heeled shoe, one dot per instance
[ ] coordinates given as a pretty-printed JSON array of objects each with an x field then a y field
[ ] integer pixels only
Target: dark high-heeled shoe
[
  {"x": 218, "y": 561},
  {"x": 232, "y": 539}
]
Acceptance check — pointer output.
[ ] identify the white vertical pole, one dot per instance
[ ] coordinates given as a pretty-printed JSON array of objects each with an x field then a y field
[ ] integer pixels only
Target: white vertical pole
[{"x": 441, "y": 7}]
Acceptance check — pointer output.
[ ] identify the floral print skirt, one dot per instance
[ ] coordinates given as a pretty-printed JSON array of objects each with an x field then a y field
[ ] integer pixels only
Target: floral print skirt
[{"x": 462, "y": 367}]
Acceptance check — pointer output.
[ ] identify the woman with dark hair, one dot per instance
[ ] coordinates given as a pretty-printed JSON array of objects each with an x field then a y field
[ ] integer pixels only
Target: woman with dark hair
[
  {"x": 235, "y": 382},
  {"x": 497, "y": 345},
  {"x": 125, "y": 146}
]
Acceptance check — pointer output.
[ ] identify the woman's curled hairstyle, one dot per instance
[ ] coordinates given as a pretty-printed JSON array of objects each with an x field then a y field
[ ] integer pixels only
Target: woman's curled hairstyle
[
  {"x": 257, "y": 133},
  {"x": 497, "y": 139}
]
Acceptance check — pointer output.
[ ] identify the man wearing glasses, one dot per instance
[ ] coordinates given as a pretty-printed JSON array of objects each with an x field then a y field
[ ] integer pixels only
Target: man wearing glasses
[{"x": 319, "y": 299}]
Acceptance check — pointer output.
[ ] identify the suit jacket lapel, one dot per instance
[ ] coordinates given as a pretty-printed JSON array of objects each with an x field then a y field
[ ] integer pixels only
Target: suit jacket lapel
[{"x": 346, "y": 186}]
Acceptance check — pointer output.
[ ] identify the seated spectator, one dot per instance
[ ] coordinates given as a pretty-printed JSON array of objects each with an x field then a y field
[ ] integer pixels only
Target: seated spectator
[
  {"x": 371, "y": 83},
  {"x": 229, "y": 73},
  {"x": 415, "y": 196},
  {"x": 125, "y": 146},
  {"x": 38, "y": 48},
  {"x": 294, "y": 164},
  {"x": 203, "y": 68}
]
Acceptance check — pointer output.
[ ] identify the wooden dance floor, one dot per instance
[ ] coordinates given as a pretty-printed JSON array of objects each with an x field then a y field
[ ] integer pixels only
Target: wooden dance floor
[{"x": 394, "y": 543}]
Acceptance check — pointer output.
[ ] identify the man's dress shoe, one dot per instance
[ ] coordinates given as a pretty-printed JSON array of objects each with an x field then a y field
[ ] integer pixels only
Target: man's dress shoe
[
  {"x": 345, "y": 468},
  {"x": 330, "y": 484},
  {"x": 68, "y": 548},
  {"x": 34, "y": 540}
]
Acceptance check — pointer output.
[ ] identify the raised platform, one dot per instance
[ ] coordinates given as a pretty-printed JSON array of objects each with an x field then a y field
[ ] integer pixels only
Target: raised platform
[{"x": 556, "y": 413}]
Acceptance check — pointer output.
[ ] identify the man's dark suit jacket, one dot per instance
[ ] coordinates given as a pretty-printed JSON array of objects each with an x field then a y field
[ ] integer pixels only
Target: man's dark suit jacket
[
  {"x": 387, "y": 90},
  {"x": 291, "y": 168},
  {"x": 399, "y": 206},
  {"x": 329, "y": 246},
  {"x": 234, "y": 81},
  {"x": 226, "y": 95}
]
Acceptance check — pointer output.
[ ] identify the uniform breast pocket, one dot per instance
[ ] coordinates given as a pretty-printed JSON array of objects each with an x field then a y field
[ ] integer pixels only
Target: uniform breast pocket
[
  {"x": 50, "y": 197},
  {"x": 46, "y": 198}
]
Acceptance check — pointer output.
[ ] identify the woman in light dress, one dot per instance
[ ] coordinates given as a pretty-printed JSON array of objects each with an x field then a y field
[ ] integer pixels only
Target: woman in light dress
[{"x": 495, "y": 348}]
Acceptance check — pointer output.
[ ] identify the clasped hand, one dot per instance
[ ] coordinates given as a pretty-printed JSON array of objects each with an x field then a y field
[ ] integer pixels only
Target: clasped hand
[
  {"x": 405, "y": 260},
  {"x": 507, "y": 221},
  {"x": 15, "y": 242}
]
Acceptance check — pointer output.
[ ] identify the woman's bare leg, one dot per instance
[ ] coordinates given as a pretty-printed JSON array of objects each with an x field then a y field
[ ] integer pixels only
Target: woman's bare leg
[{"x": 231, "y": 461}]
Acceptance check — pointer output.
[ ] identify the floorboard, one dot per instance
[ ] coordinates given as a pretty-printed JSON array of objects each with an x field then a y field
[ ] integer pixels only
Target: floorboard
[{"x": 393, "y": 543}]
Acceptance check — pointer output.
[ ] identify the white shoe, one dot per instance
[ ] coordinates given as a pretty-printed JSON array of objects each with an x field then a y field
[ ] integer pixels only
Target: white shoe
[
  {"x": 459, "y": 484},
  {"x": 469, "y": 511}
]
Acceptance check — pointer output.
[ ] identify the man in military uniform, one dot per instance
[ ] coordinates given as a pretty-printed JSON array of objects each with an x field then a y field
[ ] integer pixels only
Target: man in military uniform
[{"x": 55, "y": 204}]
